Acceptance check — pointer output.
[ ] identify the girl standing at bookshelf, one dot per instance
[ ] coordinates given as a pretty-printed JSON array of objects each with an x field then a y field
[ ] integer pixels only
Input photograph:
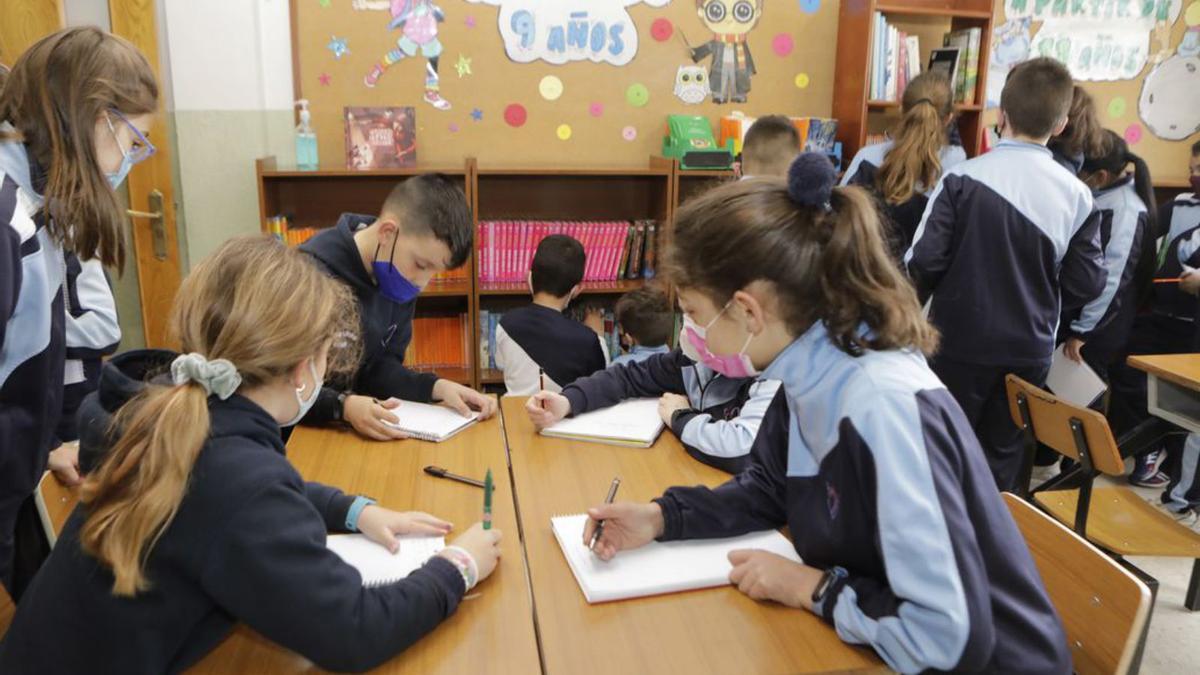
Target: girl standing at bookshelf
[{"x": 901, "y": 171}]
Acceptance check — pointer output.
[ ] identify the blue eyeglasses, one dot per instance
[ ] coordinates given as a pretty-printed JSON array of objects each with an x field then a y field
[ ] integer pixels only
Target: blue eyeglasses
[{"x": 142, "y": 148}]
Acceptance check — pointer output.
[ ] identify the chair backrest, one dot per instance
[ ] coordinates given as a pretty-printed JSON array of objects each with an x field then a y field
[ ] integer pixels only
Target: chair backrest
[
  {"x": 1051, "y": 421},
  {"x": 1102, "y": 605},
  {"x": 55, "y": 502}
]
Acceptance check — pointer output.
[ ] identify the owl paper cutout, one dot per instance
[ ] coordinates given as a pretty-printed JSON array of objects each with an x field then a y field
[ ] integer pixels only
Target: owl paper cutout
[{"x": 691, "y": 84}]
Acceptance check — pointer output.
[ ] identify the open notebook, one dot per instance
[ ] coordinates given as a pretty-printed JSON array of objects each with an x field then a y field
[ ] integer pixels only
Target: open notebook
[
  {"x": 656, "y": 568},
  {"x": 430, "y": 422},
  {"x": 634, "y": 422},
  {"x": 1074, "y": 382},
  {"x": 376, "y": 564}
]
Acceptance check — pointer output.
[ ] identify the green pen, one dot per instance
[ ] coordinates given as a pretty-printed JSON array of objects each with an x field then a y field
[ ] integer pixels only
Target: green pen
[{"x": 488, "y": 486}]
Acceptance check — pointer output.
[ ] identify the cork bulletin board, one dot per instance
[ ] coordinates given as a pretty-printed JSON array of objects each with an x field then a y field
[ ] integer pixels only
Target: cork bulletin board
[
  {"x": 604, "y": 105},
  {"x": 1163, "y": 59}
]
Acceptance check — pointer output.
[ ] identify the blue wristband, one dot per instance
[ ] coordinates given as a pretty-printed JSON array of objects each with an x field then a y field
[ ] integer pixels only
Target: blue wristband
[{"x": 356, "y": 508}]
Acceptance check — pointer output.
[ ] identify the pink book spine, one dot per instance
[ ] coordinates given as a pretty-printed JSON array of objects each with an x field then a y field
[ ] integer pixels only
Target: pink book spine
[
  {"x": 521, "y": 263},
  {"x": 589, "y": 248},
  {"x": 602, "y": 252},
  {"x": 614, "y": 232},
  {"x": 506, "y": 270},
  {"x": 483, "y": 252}
]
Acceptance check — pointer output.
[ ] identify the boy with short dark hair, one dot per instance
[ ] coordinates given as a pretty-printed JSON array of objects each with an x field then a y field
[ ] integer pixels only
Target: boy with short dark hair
[
  {"x": 771, "y": 144},
  {"x": 423, "y": 228},
  {"x": 539, "y": 339},
  {"x": 1010, "y": 240},
  {"x": 646, "y": 322}
]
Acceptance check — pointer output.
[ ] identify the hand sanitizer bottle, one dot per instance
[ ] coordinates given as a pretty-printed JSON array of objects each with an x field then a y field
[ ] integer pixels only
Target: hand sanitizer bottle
[{"x": 306, "y": 140}]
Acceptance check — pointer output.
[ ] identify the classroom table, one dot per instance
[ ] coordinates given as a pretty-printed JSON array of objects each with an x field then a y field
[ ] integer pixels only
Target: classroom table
[
  {"x": 1172, "y": 387},
  {"x": 490, "y": 633},
  {"x": 716, "y": 630}
]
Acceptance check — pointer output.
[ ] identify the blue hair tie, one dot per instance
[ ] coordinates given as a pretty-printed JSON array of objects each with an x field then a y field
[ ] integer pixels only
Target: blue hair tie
[{"x": 810, "y": 180}]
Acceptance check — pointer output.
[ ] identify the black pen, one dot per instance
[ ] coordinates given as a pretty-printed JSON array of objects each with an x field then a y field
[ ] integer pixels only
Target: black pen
[
  {"x": 439, "y": 472},
  {"x": 612, "y": 492}
]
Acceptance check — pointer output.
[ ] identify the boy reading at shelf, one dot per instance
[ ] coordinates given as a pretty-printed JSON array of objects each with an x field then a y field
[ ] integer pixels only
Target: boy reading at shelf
[
  {"x": 423, "y": 228},
  {"x": 645, "y": 320},
  {"x": 771, "y": 144},
  {"x": 1009, "y": 242},
  {"x": 538, "y": 346}
]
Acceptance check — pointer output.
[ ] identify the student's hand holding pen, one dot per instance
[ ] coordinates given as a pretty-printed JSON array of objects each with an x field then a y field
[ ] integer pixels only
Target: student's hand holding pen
[
  {"x": 545, "y": 408},
  {"x": 484, "y": 547},
  {"x": 627, "y": 526}
]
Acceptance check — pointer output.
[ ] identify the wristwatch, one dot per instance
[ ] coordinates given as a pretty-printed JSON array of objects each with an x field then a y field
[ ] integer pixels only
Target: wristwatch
[
  {"x": 830, "y": 581},
  {"x": 341, "y": 406}
]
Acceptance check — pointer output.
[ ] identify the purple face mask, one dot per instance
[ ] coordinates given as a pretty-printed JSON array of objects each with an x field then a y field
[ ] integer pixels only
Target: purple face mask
[
  {"x": 392, "y": 284},
  {"x": 732, "y": 365}
]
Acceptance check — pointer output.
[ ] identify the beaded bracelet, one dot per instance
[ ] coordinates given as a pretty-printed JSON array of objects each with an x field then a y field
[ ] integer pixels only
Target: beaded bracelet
[{"x": 465, "y": 563}]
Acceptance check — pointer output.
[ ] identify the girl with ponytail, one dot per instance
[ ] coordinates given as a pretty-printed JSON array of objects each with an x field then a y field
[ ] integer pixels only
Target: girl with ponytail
[
  {"x": 193, "y": 519},
  {"x": 901, "y": 171},
  {"x": 1098, "y": 333},
  {"x": 75, "y": 112},
  {"x": 907, "y": 545},
  {"x": 1083, "y": 136}
]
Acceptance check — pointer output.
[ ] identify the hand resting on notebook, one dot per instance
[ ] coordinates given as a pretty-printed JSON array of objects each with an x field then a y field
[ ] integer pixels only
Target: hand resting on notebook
[
  {"x": 381, "y": 525},
  {"x": 762, "y": 575}
]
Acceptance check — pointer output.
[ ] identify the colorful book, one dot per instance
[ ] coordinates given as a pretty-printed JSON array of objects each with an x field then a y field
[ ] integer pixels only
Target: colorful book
[{"x": 380, "y": 138}]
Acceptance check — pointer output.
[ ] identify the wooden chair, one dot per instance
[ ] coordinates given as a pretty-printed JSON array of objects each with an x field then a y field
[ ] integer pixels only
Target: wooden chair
[
  {"x": 1114, "y": 518},
  {"x": 1104, "y": 608},
  {"x": 55, "y": 502}
]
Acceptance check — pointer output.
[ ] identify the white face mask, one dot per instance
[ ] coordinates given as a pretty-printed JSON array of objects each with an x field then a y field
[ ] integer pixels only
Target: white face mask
[{"x": 306, "y": 405}]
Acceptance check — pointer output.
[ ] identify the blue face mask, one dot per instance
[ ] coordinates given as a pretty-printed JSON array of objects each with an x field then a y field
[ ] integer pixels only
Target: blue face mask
[
  {"x": 115, "y": 179},
  {"x": 392, "y": 283}
]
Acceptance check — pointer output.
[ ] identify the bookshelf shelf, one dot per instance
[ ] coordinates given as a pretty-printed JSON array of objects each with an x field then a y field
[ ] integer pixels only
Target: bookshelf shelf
[
  {"x": 315, "y": 199},
  {"x": 859, "y": 116}
]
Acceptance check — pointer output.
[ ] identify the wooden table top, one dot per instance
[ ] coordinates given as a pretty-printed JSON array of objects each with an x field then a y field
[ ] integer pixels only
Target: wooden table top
[
  {"x": 1181, "y": 369},
  {"x": 490, "y": 633},
  {"x": 714, "y": 630}
]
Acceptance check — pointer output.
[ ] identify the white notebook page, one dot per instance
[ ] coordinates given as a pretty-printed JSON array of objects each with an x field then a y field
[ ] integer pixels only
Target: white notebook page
[
  {"x": 635, "y": 421},
  {"x": 376, "y": 564}
]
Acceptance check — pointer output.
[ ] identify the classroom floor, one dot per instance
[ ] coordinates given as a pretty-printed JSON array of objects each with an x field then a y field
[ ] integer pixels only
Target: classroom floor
[{"x": 1173, "y": 646}]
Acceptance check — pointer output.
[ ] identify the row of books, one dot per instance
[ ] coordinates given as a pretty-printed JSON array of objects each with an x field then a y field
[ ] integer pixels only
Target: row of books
[
  {"x": 614, "y": 250},
  {"x": 292, "y": 236},
  {"x": 895, "y": 60},
  {"x": 967, "y": 75},
  {"x": 489, "y": 320},
  {"x": 438, "y": 342},
  {"x": 817, "y": 134}
]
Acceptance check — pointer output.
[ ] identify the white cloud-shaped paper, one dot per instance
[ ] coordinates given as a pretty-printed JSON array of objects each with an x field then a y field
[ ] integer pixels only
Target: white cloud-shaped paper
[{"x": 560, "y": 31}]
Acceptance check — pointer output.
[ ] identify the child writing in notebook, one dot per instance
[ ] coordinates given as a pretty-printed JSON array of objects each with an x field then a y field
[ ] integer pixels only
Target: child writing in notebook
[
  {"x": 538, "y": 346},
  {"x": 1008, "y": 243},
  {"x": 902, "y": 171},
  {"x": 423, "y": 228},
  {"x": 1098, "y": 332},
  {"x": 907, "y": 545},
  {"x": 771, "y": 144},
  {"x": 194, "y": 519},
  {"x": 646, "y": 321},
  {"x": 74, "y": 115}
]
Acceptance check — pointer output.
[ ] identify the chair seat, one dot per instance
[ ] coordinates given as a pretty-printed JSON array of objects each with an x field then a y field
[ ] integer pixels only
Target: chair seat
[{"x": 1122, "y": 522}]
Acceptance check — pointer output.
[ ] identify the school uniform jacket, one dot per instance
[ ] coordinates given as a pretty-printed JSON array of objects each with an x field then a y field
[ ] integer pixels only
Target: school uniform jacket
[
  {"x": 1178, "y": 220},
  {"x": 92, "y": 332},
  {"x": 32, "y": 331},
  {"x": 1009, "y": 241},
  {"x": 386, "y": 326},
  {"x": 1104, "y": 323},
  {"x": 247, "y": 545},
  {"x": 873, "y": 467},
  {"x": 725, "y": 413},
  {"x": 905, "y": 217},
  {"x": 536, "y": 337}
]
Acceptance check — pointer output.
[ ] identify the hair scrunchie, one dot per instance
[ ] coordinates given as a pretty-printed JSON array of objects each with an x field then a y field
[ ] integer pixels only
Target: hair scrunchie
[{"x": 219, "y": 377}]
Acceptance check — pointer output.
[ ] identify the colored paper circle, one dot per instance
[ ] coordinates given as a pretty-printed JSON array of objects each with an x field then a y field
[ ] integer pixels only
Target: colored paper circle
[
  {"x": 783, "y": 44},
  {"x": 1133, "y": 134},
  {"x": 453, "y": 128},
  {"x": 564, "y": 132},
  {"x": 515, "y": 115},
  {"x": 550, "y": 88},
  {"x": 629, "y": 133},
  {"x": 1116, "y": 107},
  {"x": 810, "y": 6},
  {"x": 637, "y": 95},
  {"x": 662, "y": 30},
  {"x": 1192, "y": 17},
  {"x": 802, "y": 80},
  {"x": 596, "y": 109}
]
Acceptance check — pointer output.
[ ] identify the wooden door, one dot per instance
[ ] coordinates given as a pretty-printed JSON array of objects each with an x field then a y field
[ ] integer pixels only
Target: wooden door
[
  {"x": 23, "y": 22},
  {"x": 151, "y": 195}
]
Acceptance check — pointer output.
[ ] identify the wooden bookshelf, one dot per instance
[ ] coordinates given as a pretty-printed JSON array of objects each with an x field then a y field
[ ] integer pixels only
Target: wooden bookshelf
[
  {"x": 317, "y": 198},
  {"x": 859, "y": 117}
]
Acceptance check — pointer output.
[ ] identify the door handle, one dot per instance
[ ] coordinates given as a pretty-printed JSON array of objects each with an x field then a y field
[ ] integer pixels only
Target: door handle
[{"x": 158, "y": 232}]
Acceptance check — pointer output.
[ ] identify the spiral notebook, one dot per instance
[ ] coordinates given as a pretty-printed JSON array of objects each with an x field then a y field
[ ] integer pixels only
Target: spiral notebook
[
  {"x": 634, "y": 423},
  {"x": 658, "y": 567},
  {"x": 430, "y": 422},
  {"x": 377, "y": 565}
]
